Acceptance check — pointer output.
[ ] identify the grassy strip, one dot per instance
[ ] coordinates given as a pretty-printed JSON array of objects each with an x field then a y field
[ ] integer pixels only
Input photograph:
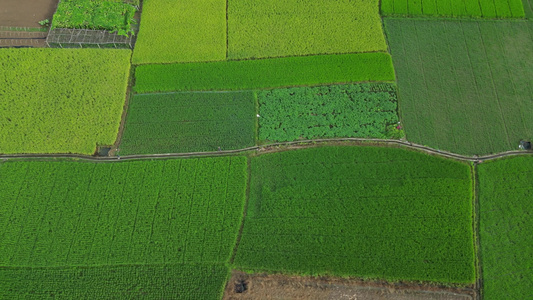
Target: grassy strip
[
  {"x": 355, "y": 110},
  {"x": 267, "y": 73},
  {"x": 189, "y": 122},
  {"x": 185, "y": 281},
  {"x": 454, "y": 8},
  {"x": 61, "y": 100},
  {"x": 366, "y": 212},
  {"x": 506, "y": 226}
]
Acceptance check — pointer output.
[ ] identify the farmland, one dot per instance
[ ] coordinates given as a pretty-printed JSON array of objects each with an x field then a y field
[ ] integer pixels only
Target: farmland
[
  {"x": 454, "y": 8},
  {"x": 367, "y": 212},
  {"x": 476, "y": 79},
  {"x": 181, "y": 31},
  {"x": 506, "y": 225},
  {"x": 66, "y": 101},
  {"x": 357, "y": 110},
  {"x": 189, "y": 122},
  {"x": 259, "y": 29},
  {"x": 264, "y": 73}
]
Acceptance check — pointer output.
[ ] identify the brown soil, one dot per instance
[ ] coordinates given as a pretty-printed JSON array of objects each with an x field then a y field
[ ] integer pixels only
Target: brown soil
[
  {"x": 262, "y": 286},
  {"x": 22, "y": 38},
  {"x": 26, "y": 13}
]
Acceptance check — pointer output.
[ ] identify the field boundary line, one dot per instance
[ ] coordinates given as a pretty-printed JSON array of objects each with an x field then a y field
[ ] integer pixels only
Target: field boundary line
[
  {"x": 245, "y": 210},
  {"x": 477, "y": 237}
]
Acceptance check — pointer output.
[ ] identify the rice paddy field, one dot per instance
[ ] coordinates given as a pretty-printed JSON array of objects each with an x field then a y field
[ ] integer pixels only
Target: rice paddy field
[{"x": 236, "y": 144}]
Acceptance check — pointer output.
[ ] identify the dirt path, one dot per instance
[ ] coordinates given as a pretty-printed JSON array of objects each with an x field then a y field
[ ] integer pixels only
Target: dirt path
[
  {"x": 26, "y": 13},
  {"x": 262, "y": 286}
]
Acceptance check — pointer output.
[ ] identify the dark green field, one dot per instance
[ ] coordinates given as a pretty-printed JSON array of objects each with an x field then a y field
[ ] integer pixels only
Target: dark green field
[
  {"x": 359, "y": 211},
  {"x": 505, "y": 206},
  {"x": 464, "y": 86},
  {"x": 189, "y": 122}
]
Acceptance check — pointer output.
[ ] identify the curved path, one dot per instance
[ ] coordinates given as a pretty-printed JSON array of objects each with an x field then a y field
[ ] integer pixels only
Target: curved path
[{"x": 300, "y": 144}]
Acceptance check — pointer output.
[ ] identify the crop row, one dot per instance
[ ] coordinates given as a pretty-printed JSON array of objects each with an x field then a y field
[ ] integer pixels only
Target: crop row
[{"x": 455, "y": 8}]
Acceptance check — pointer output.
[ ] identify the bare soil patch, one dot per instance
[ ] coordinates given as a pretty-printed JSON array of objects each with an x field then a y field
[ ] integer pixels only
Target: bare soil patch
[
  {"x": 26, "y": 13},
  {"x": 263, "y": 286}
]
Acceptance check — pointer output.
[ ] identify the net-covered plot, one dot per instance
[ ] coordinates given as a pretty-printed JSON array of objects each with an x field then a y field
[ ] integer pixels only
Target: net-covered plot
[
  {"x": 464, "y": 86},
  {"x": 269, "y": 28},
  {"x": 355, "y": 110},
  {"x": 359, "y": 211},
  {"x": 264, "y": 73},
  {"x": 135, "y": 212},
  {"x": 505, "y": 208},
  {"x": 455, "y": 8},
  {"x": 189, "y": 122},
  {"x": 181, "y": 31},
  {"x": 61, "y": 100},
  {"x": 202, "y": 282}
]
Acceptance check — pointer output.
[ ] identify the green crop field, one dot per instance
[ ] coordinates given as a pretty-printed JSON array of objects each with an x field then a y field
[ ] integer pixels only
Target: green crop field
[
  {"x": 61, "y": 100},
  {"x": 138, "y": 212},
  {"x": 505, "y": 208},
  {"x": 464, "y": 86},
  {"x": 454, "y": 8},
  {"x": 266, "y": 28},
  {"x": 189, "y": 122},
  {"x": 265, "y": 73},
  {"x": 181, "y": 31},
  {"x": 528, "y": 8},
  {"x": 369, "y": 212},
  {"x": 355, "y": 110},
  {"x": 200, "y": 282}
]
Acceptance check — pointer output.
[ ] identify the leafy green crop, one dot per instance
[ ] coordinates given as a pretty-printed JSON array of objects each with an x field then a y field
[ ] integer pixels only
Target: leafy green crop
[
  {"x": 266, "y": 28},
  {"x": 361, "y": 110},
  {"x": 189, "y": 122},
  {"x": 265, "y": 73},
  {"x": 61, "y": 100},
  {"x": 188, "y": 281},
  {"x": 505, "y": 208},
  {"x": 359, "y": 211},
  {"x": 181, "y": 31},
  {"x": 111, "y": 15},
  {"x": 455, "y": 8}
]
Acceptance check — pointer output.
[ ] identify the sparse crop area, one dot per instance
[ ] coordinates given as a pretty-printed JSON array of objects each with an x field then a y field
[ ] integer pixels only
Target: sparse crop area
[
  {"x": 505, "y": 206},
  {"x": 359, "y": 211},
  {"x": 454, "y": 8},
  {"x": 189, "y": 122},
  {"x": 61, "y": 100}
]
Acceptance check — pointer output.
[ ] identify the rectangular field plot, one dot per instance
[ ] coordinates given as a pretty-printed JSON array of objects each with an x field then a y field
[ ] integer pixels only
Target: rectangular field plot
[
  {"x": 505, "y": 208},
  {"x": 355, "y": 110},
  {"x": 181, "y": 31},
  {"x": 268, "y": 28},
  {"x": 202, "y": 282},
  {"x": 189, "y": 122},
  {"x": 61, "y": 100},
  {"x": 359, "y": 211},
  {"x": 264, "y": 73},
  {"x": 464, "y": 86},
  {"x": 454, "y": 8},
  {"x": 64, "y": 213}
]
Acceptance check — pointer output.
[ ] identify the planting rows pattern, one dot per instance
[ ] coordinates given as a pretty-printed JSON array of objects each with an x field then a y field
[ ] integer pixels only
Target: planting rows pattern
[{"x": 455, "y": 8}]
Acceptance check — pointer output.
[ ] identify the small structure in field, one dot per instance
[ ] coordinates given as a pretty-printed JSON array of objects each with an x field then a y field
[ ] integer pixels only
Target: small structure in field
[{"x": 524, "y": 145}]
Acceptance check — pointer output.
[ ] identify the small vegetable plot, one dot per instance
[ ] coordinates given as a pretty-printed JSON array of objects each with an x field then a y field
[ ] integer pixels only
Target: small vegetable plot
[
  {"x": 61, "y": 100},
  {"x": 359, "y": 211},
  {"x": 271, "y": 28},
  {"x": 356, "y": 110},
  {"x": 455, "y": 8},
  {"x": 505, "y": 208},
  {"x": 189, "y": 122}
]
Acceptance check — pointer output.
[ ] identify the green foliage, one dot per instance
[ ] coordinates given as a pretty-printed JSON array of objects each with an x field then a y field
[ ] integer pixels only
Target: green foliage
[
  {"x": 64, "y": 213},
  {"x": 464, "y": 86},
  {"x": 265, "y": 28},
  {"x": 359, "y": 211},
  {"x": 361, "y": 110},
  {"x": 528, "y": 8},
  {"x": 181, "y": 31},
  {"x": 505, "y": 217},
  {"x": 454, "y": 8},
  {"x": 61, "y": 100},
  {"x": 111, "y": 15},
  {"x": 189, "y": 122},
  {"x": 202, "y": 282},
  {"x": 265, "y": 73}
]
